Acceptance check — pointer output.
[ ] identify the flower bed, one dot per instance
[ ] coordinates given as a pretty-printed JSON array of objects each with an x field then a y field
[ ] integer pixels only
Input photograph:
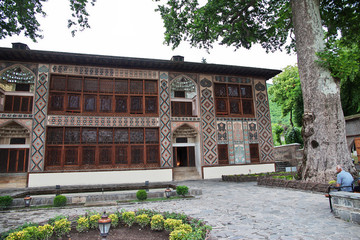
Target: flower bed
[{"x": 176, "y": 226}]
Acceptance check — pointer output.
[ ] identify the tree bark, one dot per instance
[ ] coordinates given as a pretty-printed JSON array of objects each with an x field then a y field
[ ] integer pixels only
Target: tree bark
[{"x": 323, "y": 121}]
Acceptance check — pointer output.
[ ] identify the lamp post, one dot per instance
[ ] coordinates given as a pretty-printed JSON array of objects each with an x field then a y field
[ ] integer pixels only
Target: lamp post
[
  {"x": 167, "y": 192},
  {"x": 27, "y": 201},
  {"x": 104, "y": 225}
]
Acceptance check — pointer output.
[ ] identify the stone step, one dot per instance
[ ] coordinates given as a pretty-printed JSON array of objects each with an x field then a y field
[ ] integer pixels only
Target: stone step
[
  {"x": 186, "y": 173},
  {"x": 15, "y": 180}
]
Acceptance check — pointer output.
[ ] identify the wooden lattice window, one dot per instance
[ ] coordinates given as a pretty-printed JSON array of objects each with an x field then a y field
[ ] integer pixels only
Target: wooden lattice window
[
  {"x": 136, "y": 105},
  {"x": 106, "y": 86},
  {"x": 150, "y": 105},
  {"x": 90, "y": 103},
  {"x": 121, "y": 154},
  {"x": 121, "y": 104},
  {"x": 58, "y": 83},
  {"x": 254, "y": 153},
  {"x": 55, "y": 136},
  {"x": 223, "y": 154},
  {"x": 57, "y": 102},
  {"x": 53, "y": 156},
  {"x": 105, "y": 155},
  {"x": 71, "y": 156},
  {"x": 105, "y": 104},
  {"x": 88, "y": 155},
  {"x": 89, "y": 135},
  {"x": 91, "y": 85},
  {"x": 21, "y": 104},
  {"x": 121, "y": 135},
  {"x": 136, "y": 135},
  {"x": 151, "y": 135},
  {"x": 74, "y": 84},
  {"x": 106, "y": 136},
  {"x": 73, "y": 102},
  {"x": 137, "y": 154},
  {"x": 72, "y": 136},
  {"x": 151, "y": 87},
  {"x": 121, "y": 86},
  {"x": 14, "y": 160},
  {"x": 181, "y": 109},
  {"x": 136, "y": 87},
  {"x": 152, "y": 154}
]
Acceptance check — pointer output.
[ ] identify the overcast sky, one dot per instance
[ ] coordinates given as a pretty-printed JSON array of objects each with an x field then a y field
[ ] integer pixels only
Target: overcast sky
[{"x": 132, "y": 29}]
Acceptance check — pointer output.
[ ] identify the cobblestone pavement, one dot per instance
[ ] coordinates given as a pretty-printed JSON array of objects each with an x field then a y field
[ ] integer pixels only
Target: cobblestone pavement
[{"x": 234, "y": 210}]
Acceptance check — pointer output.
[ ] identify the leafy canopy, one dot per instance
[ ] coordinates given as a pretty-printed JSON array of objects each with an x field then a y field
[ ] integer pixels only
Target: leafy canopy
[{"x": 18, "y": 16}]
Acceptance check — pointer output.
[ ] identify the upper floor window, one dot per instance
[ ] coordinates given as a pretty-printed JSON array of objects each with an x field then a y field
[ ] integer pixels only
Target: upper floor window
[
  {"x": 21, "y": 104},
  {"x": 183, "y": 98},
  {"x": 103, "y": 96},
  {"x": 233, "y": 100}
]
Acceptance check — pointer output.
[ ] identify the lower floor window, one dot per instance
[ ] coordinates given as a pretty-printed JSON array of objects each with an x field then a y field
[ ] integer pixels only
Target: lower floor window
[{"x": 14, "y": 160}]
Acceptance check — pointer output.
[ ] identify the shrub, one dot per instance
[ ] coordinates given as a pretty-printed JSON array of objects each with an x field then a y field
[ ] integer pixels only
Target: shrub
[
  {"x": 56, "y": 218},
  {"x": 143, "y": 220},
  {"x": 46, "y": 231},
  {"x": 157, "y": 222},
  {"x": 129, "y": 218},
  {"x": 62, "y": 227},
  {"x": 19, "y": 235},
  {"x": 114, "y": 220},
  {"x": 185, "y": 227},
  {"x": 141, "y": 195},
  {"x": 178, "y": 235},
  {"x": 33, "y": 232},
  {"x": 182, "y": 190},
  {"x": 82, "y": 224},
  {"x": 171, "y": 224},
  {"x": 4, "y": 235},
  {"x": 5, "y": 201},
  {"x": 59, "y": 201},
  {"x": 94, "y": 220}
]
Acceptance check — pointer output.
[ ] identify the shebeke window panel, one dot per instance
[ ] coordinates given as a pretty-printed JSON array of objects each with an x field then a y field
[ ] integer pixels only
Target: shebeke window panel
[
  {"x": 88, "y": 135},
  {"x": 72, "y": 136},
  {"x": 71, "y": 156},
  {"x": 233, "y": 91},
  {"x": 152, "y": 154},
  {"x": 91, "y": 85},
  {"x": 235, "y": 106},
  {"x": 54, "y": 135},
  {"x": 254, "y": 153},
  {"x": 150, "y": 105},
  {"x": 150, "y": 87},
  {"x": 121, "y": 104},
  {"x": 136, "y": 87},
  {"x": 247, "y": 106},
  {"x": 221, "y": 106},
  {"x": 57, "y": 102},
  {"x": 121, "y": 86},
  {"x": 73, "y": 102},
  {"x": 220, "y": 90},
  {"x": 106, "y": 86},
  {"x": 105, "y": 154},
  {"x": 105, "y": 104},
  {"x": 88, "y": 155},
  {"x": 16, "y": 106},
  {"x": 151, "y": 135},
  {"x": 90, "y": 103},
  {"x": 246, "y": 91},
  {"x": 121, "y": 155},
  {"x": 58, "y": 83},
  {"x": 53, "y": 156},
  {"x": 106, "y": 136},
  {"x": 136, "y": 105},
  {"x": 136, "y": 135},
  {"x": 137, "y": 155},
  {"x": 121, "y": 135},
  {"x": 74, "y": 84}
]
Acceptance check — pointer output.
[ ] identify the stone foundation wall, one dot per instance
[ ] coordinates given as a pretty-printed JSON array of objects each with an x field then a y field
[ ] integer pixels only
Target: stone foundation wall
[
  {"x": 290, "y": 153},
  {"x": 346, "y": 205}
]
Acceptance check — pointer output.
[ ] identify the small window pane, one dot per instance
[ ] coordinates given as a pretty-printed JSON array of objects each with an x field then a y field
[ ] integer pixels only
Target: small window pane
[
  {"x": 20, "y": 167},
  {"x": 221, "y": 106},
  {"x": 152, "y": 154},
  {"x": 53, "y": 156},
  {"x": 137, "y": 155},
  {"x": 54, "y": 135},
  {"x": 121, "y": 135},
  {"x": 151, "y": 135},
  {"x": 57, "y": 102},
  {"x": 72, "y": 136},
  {"x": 105, "y": 104},
  {"x": 136, "y": 105},
  {"x": 235, "y": 106},
  {"x": 74, "y": 102},
  {"x": 22, "y": 87},
  {"x": 121, "y": 155},
  {"x": 105, "y": 155},
  {"x": 246, "y": 91},
  {"x": 180, "y": 94},
  {"x": 90, "y": 103},
  {"x": 88, "y": 155},
  {"x": 223, "y": 153},
  {"x": 90, "y": 85},
  {"x": 106, "y": 135},
  {"x": 71, "y": 156},
  {"x": 8, "y": 103},
  {"x": 150, "y": 87},
  {"x": 233, "y": 90},
  {"x": 88, "y": 135},
  {"x": 220, "y": 90},
  {"x": 248, "y": 107},
  {"x": 136, "y": 86},
  {"x": 74, "y": 84},
  {"x": 121, "y": 104},
  {"x": 254, "y": 153},
  {"x": 25, "y": 104},
  {"x": 106, "y": 86},
  {"x": 16, "y": 106},
  {"x": 58, "y": 83},
  {"x": 137, "y": 135},
  {"x": 121, "y": 86},
  {"x": 150, "y": 105}
]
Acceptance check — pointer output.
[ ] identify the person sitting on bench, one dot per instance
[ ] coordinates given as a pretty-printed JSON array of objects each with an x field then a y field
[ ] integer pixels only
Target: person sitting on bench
[{"x": 344, "y": 180}]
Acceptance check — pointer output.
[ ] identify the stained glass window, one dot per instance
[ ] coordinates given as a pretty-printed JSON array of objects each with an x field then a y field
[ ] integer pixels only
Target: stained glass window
[
  {"x": 54, "y": 135},
  {"x": 235, "y": 106},
  {"x": 121, "y": 104},
  {"x": 233, "y": 91},
  {"x": 121, "y": 135},
  {"x": 88, "y": 155},
  {"x": 74, "y": 84},
  {"x": 136, "y": 105},
  {"x": 106, "y": 135},
  {"x": 247, "y": 107},
  {"x": 105, "y": 104},
  {"x": 106, "y": 86},
  {"x": 71, "y": 156},
  {"x": 152, "y": 154},
  {"x": 136, "y": 87},
  {"x": 105, "y": 155},
  {"x": 121, "y": 86},
  {"x": 90, "y": 85},
  {"x": 220, "y": 90},
  {"x": 58, "y": 83},
  {"x": 74, "y": 102},
  {"x": 53, "y": 156},
  {"x": 150, "y": 105},
  {"x": 246, "y": 91},
  {"x": 137, "y": 155},
  {"x": 136, "y": 135},
  {"x": 88, "y": 135},
  {"x": 150, "y": 87},
  {"x": 90, "y": 103},
  {"x": 151, "y": 135},
  {"x": 221, "y": 105},
  {"x": 121, "y": 155},
  {"x": 72, "y": 136}
]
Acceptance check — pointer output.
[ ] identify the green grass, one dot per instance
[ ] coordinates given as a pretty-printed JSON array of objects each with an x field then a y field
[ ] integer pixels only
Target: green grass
[{"x": 157, "y": 199}]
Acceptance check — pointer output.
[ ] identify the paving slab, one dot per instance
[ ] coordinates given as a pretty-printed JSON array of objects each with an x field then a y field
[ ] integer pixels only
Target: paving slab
[{"x": 235, "y": 211}]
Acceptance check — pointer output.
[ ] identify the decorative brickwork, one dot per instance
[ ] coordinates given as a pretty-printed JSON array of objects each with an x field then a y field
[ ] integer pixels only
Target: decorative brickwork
[
  {"x": 26, "y": 123},
  {"x": 228, "y": 79},
  {"x": 264, "y": 122},
  {"x": 165, "y": 124}
]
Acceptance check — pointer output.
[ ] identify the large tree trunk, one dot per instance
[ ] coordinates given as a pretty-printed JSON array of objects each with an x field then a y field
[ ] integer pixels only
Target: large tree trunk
[{"x": 323, "y": 122}]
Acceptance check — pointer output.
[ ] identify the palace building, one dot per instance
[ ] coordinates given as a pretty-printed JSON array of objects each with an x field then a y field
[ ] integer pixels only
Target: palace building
[{"x": 77, "y": 119}]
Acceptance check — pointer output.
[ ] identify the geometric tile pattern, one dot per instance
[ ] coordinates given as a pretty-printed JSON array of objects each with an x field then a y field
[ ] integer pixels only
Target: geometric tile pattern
[
  {"x": 246, "y": 142},
  {"x": 165, "y": 124},
  {"x": 91, "y": 121},
  {"x": 15, "y": 115},
  {"x": 185, "y": 119},
  {"x": 239, "y": 154},
  {"x": 104, "y": 72},
  {"x": 175, "y": 125},
  {"x": 231, "y": 153},
  {"x": 222, "y": 133},
  {"x": 39, "y": 124},
  {"x": 26, "y": 123},
  {"x": 264, "y": 122},
  {"x": 238, "y": 131},
  {"x": 174, "y": 75},
  {"x": 252, "y": 132},
  {"x": 232, "y": 79},
  {"x": 208, "y": 122}
]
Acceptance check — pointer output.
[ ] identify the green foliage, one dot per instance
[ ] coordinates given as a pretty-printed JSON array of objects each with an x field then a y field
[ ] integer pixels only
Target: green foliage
[
  {"x": 278, "y": 130},
  {"x": 82, "y": 224},
  {"x": 182, "y": 190},
  {"x": 114, "y": 220},
  {"x": 128, "y": 218},
  {"x": 5, "y": 201},
  {"x": 94, "y": 220},
  {"x": 62, "y": 227},
  {"x": 171, "y": 224},
  {"x": 286, "y": 92},
  {"x": 141, "y": 195},
  {"x": 157, "y": 222},
  {"x": 51, "y": 221},
  {"x": 293, "y": 135},
  {"x": 181, "y": 232},
  {"x": 45, "y": 231},
  {"x": 143, "y": 220},
  {"x": 60, "y": 201},
  {"x": 20, "y": 16},
  {"x": 20, "y": 228}
]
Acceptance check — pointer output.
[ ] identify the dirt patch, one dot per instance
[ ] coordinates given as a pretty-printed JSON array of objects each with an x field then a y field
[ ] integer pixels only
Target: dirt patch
[{"x": 133, "y": 233}]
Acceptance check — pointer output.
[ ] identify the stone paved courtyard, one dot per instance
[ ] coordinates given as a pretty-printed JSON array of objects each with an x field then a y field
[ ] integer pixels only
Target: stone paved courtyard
[{"x": 235, "y": 210}]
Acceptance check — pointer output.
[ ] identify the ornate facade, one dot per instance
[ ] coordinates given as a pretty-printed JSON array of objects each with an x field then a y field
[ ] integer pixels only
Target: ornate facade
[{"x": 71, "y": 113}]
